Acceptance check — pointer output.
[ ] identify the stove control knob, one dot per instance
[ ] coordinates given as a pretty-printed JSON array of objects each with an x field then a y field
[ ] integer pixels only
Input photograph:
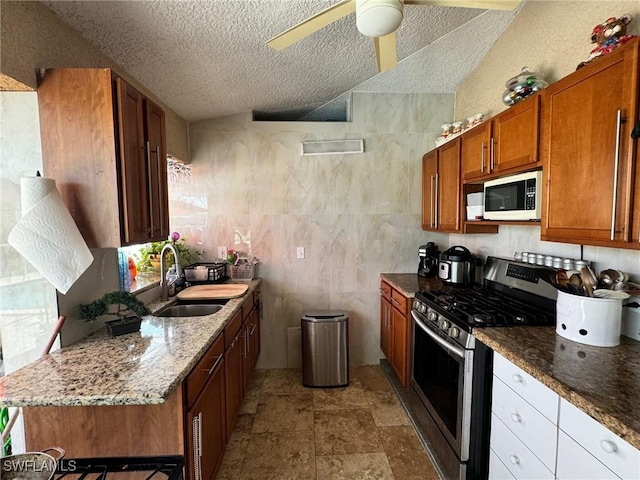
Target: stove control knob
[
  {"x": 432, "y": 316},
  {"x": 422, "y": 308},
  {"x": 444, "y": 324},
  {"x": 454, "y": 332},
  {"x": 416, "y": 305}
]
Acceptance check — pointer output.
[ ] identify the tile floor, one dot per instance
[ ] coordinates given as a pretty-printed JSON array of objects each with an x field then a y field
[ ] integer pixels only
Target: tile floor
[{"x": 287, "y": 431}]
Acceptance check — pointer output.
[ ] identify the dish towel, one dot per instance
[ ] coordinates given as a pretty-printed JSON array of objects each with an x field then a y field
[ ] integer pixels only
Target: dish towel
[{"x": 47, "y": 236}]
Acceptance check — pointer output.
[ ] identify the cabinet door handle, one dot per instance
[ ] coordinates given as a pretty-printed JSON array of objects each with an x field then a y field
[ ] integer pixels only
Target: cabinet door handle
[
  {"x": 615, "y": 174},
  {"x": 517, "y": 378},
  {"x": 431, "y": 190},
  {"x": 197, "y": 446},
  {"x": 482, "y": 149},
  {"x": 608, "y": 446},
  {"x": 437, "y": 195},
  {"x": 215, "y": 364},
  {"x": 514, "y": 459},
  {"x": 492, "y": 151},
  {"x": 160, "y": 202},
  {"x": 150, "y": 184},
  {"x": 255, "y": 325},
  {"x": 516, "y": 417}
]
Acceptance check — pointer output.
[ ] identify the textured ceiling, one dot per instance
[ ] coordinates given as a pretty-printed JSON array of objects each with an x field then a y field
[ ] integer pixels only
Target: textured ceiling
[{"x": 208, "y": 59}]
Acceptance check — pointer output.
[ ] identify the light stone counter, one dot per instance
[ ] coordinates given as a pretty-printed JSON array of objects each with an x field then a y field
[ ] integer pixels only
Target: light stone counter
[
  {"x": 604, "y": 382},
  {"x": 134, "y": 369}
]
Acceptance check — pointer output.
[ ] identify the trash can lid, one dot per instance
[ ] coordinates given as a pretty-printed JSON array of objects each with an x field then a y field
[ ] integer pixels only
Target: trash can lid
[{"x": 324, "y": 315}]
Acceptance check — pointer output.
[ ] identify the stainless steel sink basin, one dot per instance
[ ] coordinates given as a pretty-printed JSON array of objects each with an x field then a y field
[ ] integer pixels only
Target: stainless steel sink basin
[{"x": 189, "y": 310}]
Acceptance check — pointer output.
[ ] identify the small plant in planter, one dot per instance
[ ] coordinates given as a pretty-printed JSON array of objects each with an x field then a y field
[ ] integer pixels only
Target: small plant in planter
[
  {"x": 149, "y": 255},
  {"x": 123, "y": 305}
]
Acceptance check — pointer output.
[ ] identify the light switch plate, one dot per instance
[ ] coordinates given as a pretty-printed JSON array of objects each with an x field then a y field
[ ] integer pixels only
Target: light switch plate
[
  {"x": 222, "y": 252},
  {"x": 300, "y": 252}
]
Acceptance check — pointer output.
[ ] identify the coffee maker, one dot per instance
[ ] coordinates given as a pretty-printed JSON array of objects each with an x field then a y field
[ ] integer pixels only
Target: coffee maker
[{"x": 429, "y": 256}]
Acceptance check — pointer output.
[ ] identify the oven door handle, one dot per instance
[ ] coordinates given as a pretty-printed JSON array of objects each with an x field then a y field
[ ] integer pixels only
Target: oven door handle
[{"x": 457, "y": 351}]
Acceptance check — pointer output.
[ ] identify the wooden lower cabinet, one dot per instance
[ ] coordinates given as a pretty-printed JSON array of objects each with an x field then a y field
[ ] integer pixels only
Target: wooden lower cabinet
[
  {"x": 395, "y": 328},
  {"x": 196, "y": 420}
]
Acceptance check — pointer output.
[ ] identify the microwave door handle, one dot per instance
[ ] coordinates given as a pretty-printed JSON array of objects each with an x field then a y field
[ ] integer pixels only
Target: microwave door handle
[
  {"x": 457, "y": 351},
  {"x": 615, "y": 174}
]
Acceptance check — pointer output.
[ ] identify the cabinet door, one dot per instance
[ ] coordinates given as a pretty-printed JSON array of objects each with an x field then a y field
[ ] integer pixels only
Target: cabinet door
[
  {"x": 589, "y": 153},
  {"x": 448, "y": 187},
  {"x": 206, "y": 427},
  {"x": 247, "y": 367},
  {"x": 429, "y": 172},
  {"x": 385, "y": 327},
  {"x": 475, "y": 151},
  {"x": 399, "y": 338},
  {"x": 156, "y": 158},
  {"x": 233, "y": 381},
  {"x": 254, "y": 336},
  {"x": 134, "y": 188},
  {"x": 514, "y": 141}
]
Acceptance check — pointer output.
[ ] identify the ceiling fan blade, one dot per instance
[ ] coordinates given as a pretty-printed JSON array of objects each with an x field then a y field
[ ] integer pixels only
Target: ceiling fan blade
[
  {"x": 488, "y": 4},
  {"x": 312, "y": 24},
  {"x": 386, "y": 52}
]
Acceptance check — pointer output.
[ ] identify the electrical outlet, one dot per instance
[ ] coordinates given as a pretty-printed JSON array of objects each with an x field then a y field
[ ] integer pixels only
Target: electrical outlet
[
  {"x": 222, "y": 252},
  {"x": 300, "y": 252}
]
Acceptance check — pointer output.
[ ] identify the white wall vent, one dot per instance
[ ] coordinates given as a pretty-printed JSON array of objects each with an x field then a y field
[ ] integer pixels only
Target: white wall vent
[{"x": 333, "y": 147}]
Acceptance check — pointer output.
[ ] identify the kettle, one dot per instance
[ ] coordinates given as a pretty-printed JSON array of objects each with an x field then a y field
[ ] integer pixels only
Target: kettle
[
  {"x": 458, "y": 266},
  {"x": 429, "y": 255}
]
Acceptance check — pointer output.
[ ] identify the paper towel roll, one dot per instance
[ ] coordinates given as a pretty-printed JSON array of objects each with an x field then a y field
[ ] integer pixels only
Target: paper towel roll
[{"x": 47, "y": 236}]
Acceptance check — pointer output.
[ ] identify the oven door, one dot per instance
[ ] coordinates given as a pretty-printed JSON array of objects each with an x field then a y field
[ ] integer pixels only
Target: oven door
[{"x": 442, "y": 379}]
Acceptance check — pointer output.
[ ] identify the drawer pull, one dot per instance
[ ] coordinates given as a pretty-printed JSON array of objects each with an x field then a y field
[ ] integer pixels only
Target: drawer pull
[
  {"x": 608, "y": 446},
  {"x": 516, "y": 417},
  {"x": 517, "y": 378},
  {"x": 514, "y": 459},
  {"x": 215, "y": 364}
]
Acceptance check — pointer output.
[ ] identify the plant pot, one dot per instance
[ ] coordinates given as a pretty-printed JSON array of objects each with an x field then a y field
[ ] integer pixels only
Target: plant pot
[{"x": 122, "y": 326}]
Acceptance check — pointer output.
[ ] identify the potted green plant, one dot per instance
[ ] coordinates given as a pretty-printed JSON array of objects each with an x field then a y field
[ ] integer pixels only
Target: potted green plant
[
  {"x": 149, "y": 255},
  {"x": 125, "y": 306}
]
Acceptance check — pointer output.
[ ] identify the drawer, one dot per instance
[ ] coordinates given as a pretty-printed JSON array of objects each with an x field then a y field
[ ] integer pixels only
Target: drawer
[
  {"x": 534, "y": 392},
  {"x": 231, "y": 329},
  {"x": 536, "y": 431},
  {"x": 203, "y": 369},
  {"x": 618, "y": 455},
  {"x": 247, "y": 306},
  {"x": 515, "y": 456},
  {"x": 399, "y": 301},
  {"x": 575, "y": 463},
  {"x": 385, "y": 290},
  {"x": 497, "y": 469}
]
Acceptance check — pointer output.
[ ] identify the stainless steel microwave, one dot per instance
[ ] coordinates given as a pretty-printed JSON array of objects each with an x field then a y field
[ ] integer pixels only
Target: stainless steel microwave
[{"x": 515, "y": 197}]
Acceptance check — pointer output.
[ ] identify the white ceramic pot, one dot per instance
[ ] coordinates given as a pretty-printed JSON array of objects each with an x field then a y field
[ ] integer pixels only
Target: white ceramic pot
[{"x": 589, "y": 320}]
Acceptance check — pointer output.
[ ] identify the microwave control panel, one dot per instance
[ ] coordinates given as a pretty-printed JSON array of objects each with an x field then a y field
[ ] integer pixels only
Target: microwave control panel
[{"x": 530, "y": 194}]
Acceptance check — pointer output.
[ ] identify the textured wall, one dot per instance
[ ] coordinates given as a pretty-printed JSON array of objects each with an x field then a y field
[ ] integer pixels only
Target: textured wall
[
  {"x": 33, "y": 37},
  {"x": 549, "y": 37},
  {"x": 356, "y": 215}
]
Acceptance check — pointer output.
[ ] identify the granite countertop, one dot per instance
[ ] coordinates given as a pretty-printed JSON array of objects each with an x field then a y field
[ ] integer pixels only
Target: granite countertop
[
  {"x": 604, "y": 382},
  {"x": 410, "y": 283},
  {"x": 140, "y": 368}
]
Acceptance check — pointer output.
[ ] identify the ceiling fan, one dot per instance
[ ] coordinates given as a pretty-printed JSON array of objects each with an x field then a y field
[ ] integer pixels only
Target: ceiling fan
[{"x": 378, "y": 19}]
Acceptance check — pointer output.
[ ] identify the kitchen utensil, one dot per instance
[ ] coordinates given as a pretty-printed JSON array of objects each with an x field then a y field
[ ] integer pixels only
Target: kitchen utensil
[
  {"x": 588, "y": 279},
  {"x": 562, "y": 278},
  {"x": 458, "y": 266},
  {"x": 575, "y": 284},
  {"x": 31, "y": 465}
]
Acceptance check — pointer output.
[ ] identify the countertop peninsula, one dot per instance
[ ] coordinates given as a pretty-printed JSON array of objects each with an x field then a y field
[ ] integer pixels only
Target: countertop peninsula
[{"x": 140, "y": 368}]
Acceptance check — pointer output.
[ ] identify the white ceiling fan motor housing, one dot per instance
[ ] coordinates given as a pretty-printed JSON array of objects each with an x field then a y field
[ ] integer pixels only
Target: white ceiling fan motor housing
[{"x": 377, "y": 18}]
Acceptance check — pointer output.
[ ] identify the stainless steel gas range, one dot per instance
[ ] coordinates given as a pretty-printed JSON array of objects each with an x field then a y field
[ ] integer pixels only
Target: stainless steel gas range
[{"x": 451, "y": 372}]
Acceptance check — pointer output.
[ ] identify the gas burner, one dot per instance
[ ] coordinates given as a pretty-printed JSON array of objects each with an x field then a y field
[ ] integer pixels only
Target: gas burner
[{"x": 444, "y": 299}]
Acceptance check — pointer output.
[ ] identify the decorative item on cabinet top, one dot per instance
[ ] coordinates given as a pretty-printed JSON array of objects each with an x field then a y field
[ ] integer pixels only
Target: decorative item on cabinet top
[
  {"x": 608, "y": 36},
  {"x": 522, "y": 85},
  {"x": 454, "y": 129}
]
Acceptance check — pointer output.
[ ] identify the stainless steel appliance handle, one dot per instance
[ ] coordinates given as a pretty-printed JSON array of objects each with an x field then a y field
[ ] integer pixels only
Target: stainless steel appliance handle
[
  {"x": 482, "y": 148},
  {"x": 150, "y": 188},
  {"x": 457, "y": 351},
  {"x": 615, "y": 175},
  {"x": 436, "y": 209}
]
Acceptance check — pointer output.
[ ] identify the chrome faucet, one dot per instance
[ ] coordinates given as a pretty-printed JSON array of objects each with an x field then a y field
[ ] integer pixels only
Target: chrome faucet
[{"x": 164, "y": 285}]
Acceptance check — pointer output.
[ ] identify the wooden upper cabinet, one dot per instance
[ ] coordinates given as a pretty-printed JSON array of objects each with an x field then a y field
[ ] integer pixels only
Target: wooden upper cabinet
[
  {"x": 104, "y": 144},
  {"x": 441, "y": 188},
  {"x": 507, "y": 143},
  {"x": 589, "y": 153}
]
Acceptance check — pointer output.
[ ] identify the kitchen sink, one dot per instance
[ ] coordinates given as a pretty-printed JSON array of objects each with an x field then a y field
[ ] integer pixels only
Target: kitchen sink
[{"x": 189, "y": 310}]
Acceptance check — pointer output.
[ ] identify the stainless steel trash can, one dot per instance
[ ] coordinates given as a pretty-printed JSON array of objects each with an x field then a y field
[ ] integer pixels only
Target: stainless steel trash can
[{"x": 325, "y": 355}]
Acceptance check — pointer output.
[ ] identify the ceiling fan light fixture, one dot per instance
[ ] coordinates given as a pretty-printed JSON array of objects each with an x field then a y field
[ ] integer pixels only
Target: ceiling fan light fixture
[{"x": 377, "y": 18}]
